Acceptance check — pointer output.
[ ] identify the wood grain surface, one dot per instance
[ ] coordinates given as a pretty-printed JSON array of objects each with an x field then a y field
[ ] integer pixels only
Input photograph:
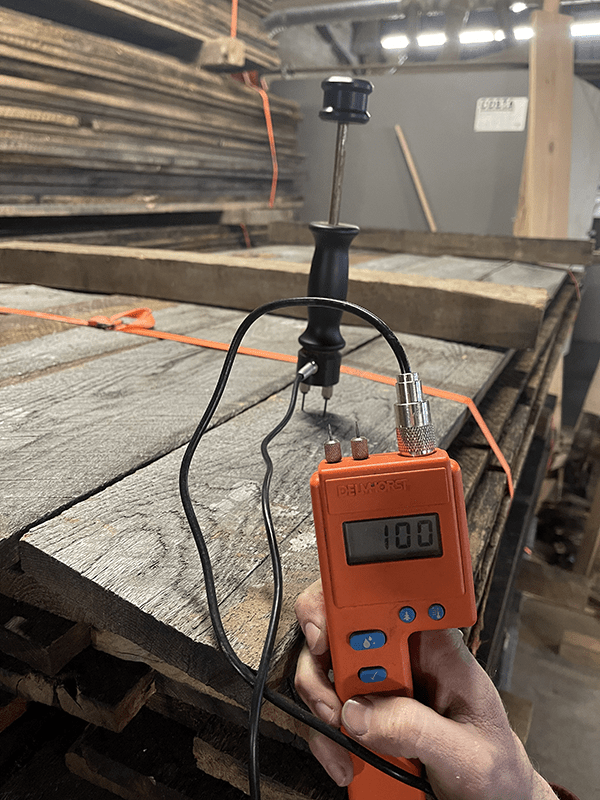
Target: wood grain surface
[{"x": 127, "y": 546}]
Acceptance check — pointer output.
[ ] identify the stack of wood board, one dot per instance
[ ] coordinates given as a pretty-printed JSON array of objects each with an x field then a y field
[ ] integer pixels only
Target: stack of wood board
[
  {"x": 92, "y": 125},
  {"x": 502, "y": 304},
  {"x": 92, "y": 531}
]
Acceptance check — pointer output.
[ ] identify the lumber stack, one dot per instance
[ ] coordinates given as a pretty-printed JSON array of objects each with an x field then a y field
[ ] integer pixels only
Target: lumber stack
[
  {"x": 104, "y": 616},
  {"x": 96, "y": 126}
]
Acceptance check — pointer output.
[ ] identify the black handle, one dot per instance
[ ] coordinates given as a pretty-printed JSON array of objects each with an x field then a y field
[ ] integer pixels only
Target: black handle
[{"x": 322, "y": 341}]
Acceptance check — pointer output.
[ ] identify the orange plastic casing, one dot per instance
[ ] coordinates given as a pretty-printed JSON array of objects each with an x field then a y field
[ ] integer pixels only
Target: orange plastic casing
[{"x": 367, "y": 598}]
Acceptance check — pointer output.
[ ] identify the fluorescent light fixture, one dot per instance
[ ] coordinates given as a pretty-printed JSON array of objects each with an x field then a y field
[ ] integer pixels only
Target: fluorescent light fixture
[
  {"x": 499, "y": 36},
  {"x": 518, "y": 7},
  {"x": 397, "y": 42},
  {"x": 522, "y": 33},
  {"x": 585, "y": 29},
  {"x": 431, "y": 39},
  {"x": 476, "y": 36}
]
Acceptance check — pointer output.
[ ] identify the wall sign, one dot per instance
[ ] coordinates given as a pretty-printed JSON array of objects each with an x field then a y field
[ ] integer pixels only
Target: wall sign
[{"x": 501, "y": 113}]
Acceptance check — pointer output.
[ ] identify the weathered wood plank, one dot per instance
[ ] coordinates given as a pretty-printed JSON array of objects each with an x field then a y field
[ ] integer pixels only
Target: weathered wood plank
[
  {"x": 155, "y": 599},
  {"x": 458, "y": 310},
  {"x": 153, "y": 391},
  {"x": 509, "y": 248},
  {"x": 78, "y": 344},
  {"x": 94, "y": 686},
  {"x": 11, "y": 708},
  {"x": 32, "y": 758},
  {"x": 42, "y": 640},
  {"x": 151, "y": 759},
  {"x": 472, "y": 269},
  {"x": 220, "y": 749}
]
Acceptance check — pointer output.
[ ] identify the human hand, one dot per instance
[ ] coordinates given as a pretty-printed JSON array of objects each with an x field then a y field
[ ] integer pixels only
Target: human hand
[{"x": 456, "y": 724}]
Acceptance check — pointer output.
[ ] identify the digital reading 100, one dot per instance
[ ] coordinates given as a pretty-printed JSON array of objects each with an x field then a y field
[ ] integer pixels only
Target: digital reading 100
[{"x": 370, "y": 541}]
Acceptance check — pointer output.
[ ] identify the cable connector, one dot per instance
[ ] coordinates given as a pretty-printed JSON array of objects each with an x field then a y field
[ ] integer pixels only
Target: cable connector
[
  {"x": 306, "y": 370},
  {"x": 414, "y": 429}
]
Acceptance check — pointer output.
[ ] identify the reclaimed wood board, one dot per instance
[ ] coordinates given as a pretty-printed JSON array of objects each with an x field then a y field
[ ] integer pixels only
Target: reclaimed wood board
[
  {"x": 151, "y": 759},
  {"x": 500, "y": 271},
  {"x": 130, "y": 581},
  {"x": 151, "y": 401},
  {"x": 94, "y": 686},
  {"x": 93, "y": 125},
  {"x": 457, "y": 310},
  {"x": 470, "y": 245},
  {"x": 42, "y": 640}
]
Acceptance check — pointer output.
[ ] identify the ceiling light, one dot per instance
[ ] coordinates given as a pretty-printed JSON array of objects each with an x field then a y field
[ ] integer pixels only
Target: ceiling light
[
  {"x": 518, "y": 7},
  {"x": 395, "y": 42},
  {"x": 431, "y": 39},
  {"x": 522, "y": 33},
  {"x": 476, "y": 36},
  {"x": 585, "y": 29}
]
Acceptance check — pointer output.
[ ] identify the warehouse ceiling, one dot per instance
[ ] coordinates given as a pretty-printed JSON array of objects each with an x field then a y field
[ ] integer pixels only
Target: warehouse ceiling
[{"x": 368, "y": 32}]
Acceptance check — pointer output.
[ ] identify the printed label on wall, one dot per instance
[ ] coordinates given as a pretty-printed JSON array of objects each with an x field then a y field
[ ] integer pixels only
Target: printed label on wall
[{"x": 501, "y": 113}]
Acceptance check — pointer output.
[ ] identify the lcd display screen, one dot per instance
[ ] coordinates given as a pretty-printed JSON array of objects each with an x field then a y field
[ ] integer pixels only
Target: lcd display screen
[{"x": 370, "y": 541}]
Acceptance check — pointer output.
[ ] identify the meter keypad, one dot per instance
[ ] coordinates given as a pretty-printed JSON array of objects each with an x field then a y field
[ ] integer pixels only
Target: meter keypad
[
  {"x": 367, "y": 640},
  {"x": 436, "y": 611},
  {"x": 372, "y": 674}
]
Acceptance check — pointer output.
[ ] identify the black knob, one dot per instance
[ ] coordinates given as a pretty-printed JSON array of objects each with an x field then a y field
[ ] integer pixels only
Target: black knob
[{"x": 345, "y": 99}]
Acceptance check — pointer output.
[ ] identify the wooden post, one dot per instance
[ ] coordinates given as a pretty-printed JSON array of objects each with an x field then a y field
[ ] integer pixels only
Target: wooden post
[
  {"x": 412, "y": 168},
  {"x": 543, "y": 209}
]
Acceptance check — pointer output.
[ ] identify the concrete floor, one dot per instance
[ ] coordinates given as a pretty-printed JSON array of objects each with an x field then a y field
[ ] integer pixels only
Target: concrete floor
[{"x": 564, "y": 739}]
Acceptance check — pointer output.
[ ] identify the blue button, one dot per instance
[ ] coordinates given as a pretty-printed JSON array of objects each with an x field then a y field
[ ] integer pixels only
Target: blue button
[
  {"x": 367, "y": 640},
  {"x": 407, "y": 614},
  {"x": 372, "y": 674},
  {"x": 436, "y": 611}
]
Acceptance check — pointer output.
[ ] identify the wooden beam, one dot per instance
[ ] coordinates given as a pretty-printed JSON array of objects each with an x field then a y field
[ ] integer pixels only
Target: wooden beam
[
  {"x": 414, "y": 174},
  {"x": 470, "y": 245},
  {"x": 456, "y": 310},
  {"x": 543, "y": 208}
]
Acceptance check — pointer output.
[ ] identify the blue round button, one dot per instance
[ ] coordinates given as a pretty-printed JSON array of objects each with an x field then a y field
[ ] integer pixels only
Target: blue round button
[
  {"x": 407, "y": 614},
  {"x": 436, "y": 611}
]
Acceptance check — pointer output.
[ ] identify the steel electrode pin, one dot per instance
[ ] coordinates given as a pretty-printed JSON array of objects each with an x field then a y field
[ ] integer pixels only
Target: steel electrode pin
[
  {"x": 333, "y": 448},
  {"x": 338, "y": 173}
]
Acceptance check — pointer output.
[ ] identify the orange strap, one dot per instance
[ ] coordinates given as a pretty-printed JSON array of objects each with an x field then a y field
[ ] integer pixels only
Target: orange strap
[
  {"x": 234, "y": 18},
  {"x": 144, "y": 326},
  {"x": 251, "y": 79}
]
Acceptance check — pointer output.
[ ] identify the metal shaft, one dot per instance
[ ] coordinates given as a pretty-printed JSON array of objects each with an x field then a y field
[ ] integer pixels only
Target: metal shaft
[{"x": 338, "y": 173}]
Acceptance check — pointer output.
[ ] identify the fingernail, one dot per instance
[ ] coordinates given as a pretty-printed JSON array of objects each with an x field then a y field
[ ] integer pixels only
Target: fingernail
[
  {"x": 337, "y": 773},
  {"x": 311, "y": 634},
  {"x": 324, "y": 712},
  {"x": 356, "y": 715}
]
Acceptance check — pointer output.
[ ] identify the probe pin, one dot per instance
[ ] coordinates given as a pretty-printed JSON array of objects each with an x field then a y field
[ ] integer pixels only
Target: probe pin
[{"x": 333, "y": 448}]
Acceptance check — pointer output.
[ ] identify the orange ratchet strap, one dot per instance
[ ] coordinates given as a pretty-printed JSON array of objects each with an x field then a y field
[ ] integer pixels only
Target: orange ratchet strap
[{"x": 144, "y": 326}]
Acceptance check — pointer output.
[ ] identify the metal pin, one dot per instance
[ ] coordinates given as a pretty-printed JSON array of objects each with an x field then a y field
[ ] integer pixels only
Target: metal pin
[
  {"x": 333, "y": 448},
  {"x": 304, "y": 389},
  {"x": 325, "y": 406}
]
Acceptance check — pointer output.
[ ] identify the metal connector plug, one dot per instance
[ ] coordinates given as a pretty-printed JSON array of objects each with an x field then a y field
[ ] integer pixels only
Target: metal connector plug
[{"x": 414, "y": 429}]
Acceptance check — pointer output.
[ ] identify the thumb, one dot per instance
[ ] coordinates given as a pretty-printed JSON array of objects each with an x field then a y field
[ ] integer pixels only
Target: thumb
[{"x": 405, "y": 728}]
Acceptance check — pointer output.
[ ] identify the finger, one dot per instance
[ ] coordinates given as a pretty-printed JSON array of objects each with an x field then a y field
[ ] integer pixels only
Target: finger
[
  {"x": 461, "y": 762},
  {"x": 396, "y": 726},
  {"x": 310, "y": 611},
  {"x": 315, "y": 688},
  {"x": 449, "y": 679},
  {"x": 333, "y": 757}
]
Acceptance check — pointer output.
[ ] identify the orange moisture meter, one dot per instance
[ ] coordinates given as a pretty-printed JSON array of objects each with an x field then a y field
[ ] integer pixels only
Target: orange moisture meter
[{"x": 394, "y": 557}]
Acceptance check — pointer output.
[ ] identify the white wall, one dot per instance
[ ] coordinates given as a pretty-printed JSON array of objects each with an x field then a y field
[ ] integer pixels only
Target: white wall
[{"x": 471, "y": 179}]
